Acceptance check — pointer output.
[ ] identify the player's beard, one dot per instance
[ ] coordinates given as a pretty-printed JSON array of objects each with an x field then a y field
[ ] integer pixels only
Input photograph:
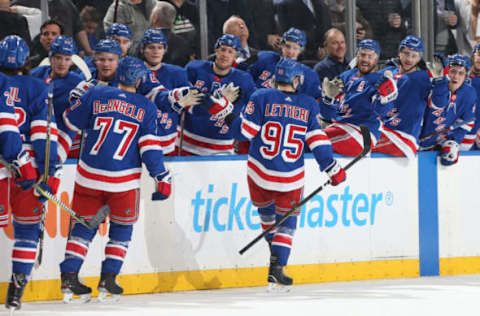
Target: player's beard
[{"x": 369, "y": 70}]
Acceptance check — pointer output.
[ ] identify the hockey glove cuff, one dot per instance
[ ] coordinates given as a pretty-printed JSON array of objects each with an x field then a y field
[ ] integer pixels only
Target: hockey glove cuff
[
  {"x": 336, "y": 173},
  {"x": 184, "y": 97},
  {"x": 163, "y": 186},
  {"x": 331, "y": 90},
  {"x": 25, "y": 173},
  {"x": 387, "y": 88},
  {"x": 219, "y": 106},
  {"x": 450, "y": 153}
]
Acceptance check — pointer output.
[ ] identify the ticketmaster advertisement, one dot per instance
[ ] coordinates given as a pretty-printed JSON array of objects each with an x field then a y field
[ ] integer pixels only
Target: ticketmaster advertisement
[{"x": 373, "y": 216}]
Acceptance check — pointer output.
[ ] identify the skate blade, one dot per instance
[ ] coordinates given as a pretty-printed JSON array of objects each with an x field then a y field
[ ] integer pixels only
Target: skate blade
[
  {"x": 278, "y": 288},
  {"x": 105, "y": 298},
  {"x": 70, "y": 298},
  {"x": 11, "y": 310}
]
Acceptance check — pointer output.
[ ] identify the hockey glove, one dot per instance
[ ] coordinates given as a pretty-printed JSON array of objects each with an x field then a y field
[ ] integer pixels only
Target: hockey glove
[
  {"x": 44, "y": 186},
  {"x": 435, "y": 68},
  {"x": 184, "y": 97},
  {"x": 387, "y": 88},
  {"x": 449, "y": 153},
  {"x": 219, "y": 106},
  {"x": 336, "y": 173},
  {"x": 231, "y": 92},
  {"x": 331, "y": 89},
  {"x": 163, "y": 186},
  {"x": 25, "y": 173}
]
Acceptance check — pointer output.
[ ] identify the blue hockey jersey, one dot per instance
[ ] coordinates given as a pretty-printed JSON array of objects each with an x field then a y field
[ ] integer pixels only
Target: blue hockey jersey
[
  {"x": 203, "y": 134},
  {"x": 471, "y": 141},
  {"x": 359, "y": 103},
  {"x": 10, "y": 139},
  {"x": 61, "y": 101},
  {"x": 121, "y": 133},
  {"x": 406, "y": 115},
  {"x": 446, "y": 110},
  {"x": 169, "y": 77},
  {"x": 263, "y": 70},
  {"x": 279, "y": 126},
  {"x": 28, "y": 96}
]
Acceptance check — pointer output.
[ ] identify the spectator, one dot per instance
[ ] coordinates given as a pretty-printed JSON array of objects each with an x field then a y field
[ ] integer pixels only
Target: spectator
[
  {"x": 100, "y": 5},
  {"x": 133, "y": 13},
  {"x": 262, "y": 20},
  {"x": 236, "y": 26},
  {"x": 337, "y": 16},
  {"x": 12, "y": 23},
  {"x": 464, "y": 33},
  {"x": 385, "y": 18},
  {"x": 335, "y": 63},
  {"x": 91, "y": 20},
  {"x": 66, "y": 13},
  {"x": 33, "y": 16},
  {"x": 41, "y": 45},
  {"x": 180, "y": 51},
  {"x": 446, "y": 20},
  {"x": 311, "y": 16},
  {"x": 186, "y": 20}
]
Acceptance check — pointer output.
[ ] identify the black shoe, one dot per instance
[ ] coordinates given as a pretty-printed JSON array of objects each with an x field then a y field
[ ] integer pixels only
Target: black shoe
[
  {"x": 276, "y": 275},
  {"x": 108, "y": 284},
  {"x": 15, "y": 291}
]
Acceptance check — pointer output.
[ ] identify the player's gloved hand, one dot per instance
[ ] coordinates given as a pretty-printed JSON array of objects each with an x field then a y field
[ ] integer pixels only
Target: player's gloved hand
[
  {"x": 54, "y": 181},
  {"x": 436, "y": 68},
  {"x": 184, "y": 97},
  {"x": 25, "y": 173},
  {"x": 331, "y": 89},
  {"x": 449, "y": 154},
  {"x": 231, "y": 92},
  {"x": 387, "y": 87},
  {"x": 336, "y": 173},
  {"x": 44, "y": 186},
  {"x": 163, "y": 186},
  {"x": 219, "y": 105}
]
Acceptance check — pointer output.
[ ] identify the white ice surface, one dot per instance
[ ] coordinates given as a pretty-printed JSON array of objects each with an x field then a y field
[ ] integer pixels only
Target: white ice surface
[{"x": 427, "y": 296}]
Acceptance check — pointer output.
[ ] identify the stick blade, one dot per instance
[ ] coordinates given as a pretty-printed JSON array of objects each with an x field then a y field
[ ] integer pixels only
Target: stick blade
[{"x": 367, "y": 140}]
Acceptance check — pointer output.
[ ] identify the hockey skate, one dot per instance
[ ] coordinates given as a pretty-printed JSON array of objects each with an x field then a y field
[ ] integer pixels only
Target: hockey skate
[
  {"x": 108, "y": 285},
  {"x": 15, "y": 292},
  {"x": 277, "y": 280},
  {"x": 71, "y": 287}
]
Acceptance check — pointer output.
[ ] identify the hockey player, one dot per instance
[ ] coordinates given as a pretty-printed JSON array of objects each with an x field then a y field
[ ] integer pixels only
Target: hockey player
[
  {"x": 152, "y": 48},
  {"x": 121, "y": 134},
  {"x": 292, "y": 45},
  {"x": 357, "y": 96},
  {"x": 122, "y": 34},
  {"x": 403, "y": 122},
  {"x": 28, "y": 96},
  {"x": 203, "y": 134},
  {"x": 118, "y": 32},
  {"x": 63, "y": 80},
  {"x": 12, "y": 153},
  {"x": 450, "y": 111},
  {"x": 472, "y": 138},
  {"x": 280, "y": 123}
]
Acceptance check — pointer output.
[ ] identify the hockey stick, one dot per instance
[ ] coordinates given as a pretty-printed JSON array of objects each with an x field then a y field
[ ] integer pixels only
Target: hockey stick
[
  {"x": 44, "y": 179},
  {"x": 446, "y": 130},
  {"x": 367, "y": 144},
  {"x": 182, "y": 126}
]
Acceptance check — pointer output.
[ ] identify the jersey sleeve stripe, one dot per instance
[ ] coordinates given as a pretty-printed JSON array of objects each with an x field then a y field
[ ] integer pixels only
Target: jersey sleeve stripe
[
  {"x": 69, "y": 124},
  {"x": 249, "y": 129},
  {"x": 317, "y": 138}
]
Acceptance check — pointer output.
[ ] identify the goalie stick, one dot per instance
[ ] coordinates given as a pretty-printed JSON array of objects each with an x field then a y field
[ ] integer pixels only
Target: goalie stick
[{"x": 367, "y": 144}]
